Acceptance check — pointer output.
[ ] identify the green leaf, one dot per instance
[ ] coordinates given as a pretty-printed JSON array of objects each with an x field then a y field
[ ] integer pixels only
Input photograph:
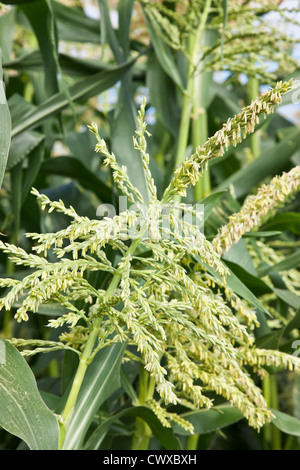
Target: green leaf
[
  {"x": 239, "y": 255},
  {"x": 32, "y": 62},
  {"x": 21, "y": 146},
  {"x": 71, "y": 167},
  {"x": 293, "y": 323},
  {"x": 108, "y": 33},
  {"x": 270, "y": 163},
  {"x": 289, "y": 297},
  {"x": 234, "y": 283},
  {"x": 164, "y": 435},
  {"x": 81, "y": 90},
  {"x": 286, "y": 423},
  {"x": 122, "y": 129},
  {"x": 270, "y": 340},
  {"x": 256, "y": 285},
  {"x": 266, "y": 234},
  {"x": 290, "y": 262},
  {"x": 164, "y": 55},
  {"x": 125, "y": 9},
  {"x": 7, "y": 33},
  {"x": 224, "y": 26},
  {"x": 40, "y": 16},
  {"x": 101, "y": 380},
  {"x": 285, "y": 221},
  {"x": 205, "y": 421},
  {"x": 5, "y": 127},
  {"x": 73, "y": 25},
  {"x": 34, "y": 164},
  {"x": 163, "y": 95},
  {"x": 22, "y": 410},
  {"x": 210, "y": 202}
]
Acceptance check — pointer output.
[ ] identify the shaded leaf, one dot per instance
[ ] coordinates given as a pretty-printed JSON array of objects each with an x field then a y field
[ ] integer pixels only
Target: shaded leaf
[
  {"x": 81, "y": 90},
  {"x": 71, "y": 167},
  {"x": 164, "y": 435},
  {"x": 284, "y": 221},
  {"x": 205, "y": 421}
]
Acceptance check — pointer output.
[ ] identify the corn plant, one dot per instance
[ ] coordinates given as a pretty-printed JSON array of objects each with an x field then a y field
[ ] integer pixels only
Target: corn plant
[
  {"x": 166, "y": 300},
  {"x": 149, "y": 287}
]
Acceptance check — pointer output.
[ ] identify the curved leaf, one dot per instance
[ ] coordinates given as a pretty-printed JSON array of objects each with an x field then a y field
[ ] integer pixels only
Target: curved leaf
[
  {"x": 164, "y": 435},
  {"x": 71, "y": 167},
  {"x": 286, "y": 423},
  {"x": 81, "y": 90},
  {"x": 205, "y": 421}
]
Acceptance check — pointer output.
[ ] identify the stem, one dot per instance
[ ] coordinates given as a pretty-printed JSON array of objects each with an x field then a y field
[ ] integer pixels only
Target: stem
[
  {"x": 87, "y": 355},
  {"x": 267, "y": 396},
  {"x": 80, "y": 373},
  {"x": 194, "y": 41},
  {"x": 276, "y": 434},
  {"x": 200, "y": 133},
  {"x": 271, "y": 433},
  {"x": 192, "y": 442},
  {"x": 143, "y": 432}
]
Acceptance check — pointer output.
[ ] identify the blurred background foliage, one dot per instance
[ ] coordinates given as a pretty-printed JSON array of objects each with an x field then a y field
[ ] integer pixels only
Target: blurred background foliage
[{"x": 69, "y": 62}]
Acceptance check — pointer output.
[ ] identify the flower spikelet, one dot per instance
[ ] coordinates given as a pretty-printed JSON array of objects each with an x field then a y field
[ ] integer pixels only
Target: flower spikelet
[{"x": 258, "y": 208}]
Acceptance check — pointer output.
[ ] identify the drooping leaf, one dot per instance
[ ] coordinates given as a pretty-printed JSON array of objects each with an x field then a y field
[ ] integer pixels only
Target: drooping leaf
[
  {"x": 205, "y": 421},
  {"x": 164, "y": 435},
  {"x": 286, "y": 423},
  {"x": 289, "y": 297},
  {"x": 71, "y": 167},
  {"x": 81, "y": 90}
]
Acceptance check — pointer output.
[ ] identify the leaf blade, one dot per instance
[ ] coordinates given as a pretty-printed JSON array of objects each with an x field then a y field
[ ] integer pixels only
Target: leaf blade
[
  {"x": 5, "y": 128},
  {"x": 101, "y": 380},
  {"x": 22, "y": 410}
]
